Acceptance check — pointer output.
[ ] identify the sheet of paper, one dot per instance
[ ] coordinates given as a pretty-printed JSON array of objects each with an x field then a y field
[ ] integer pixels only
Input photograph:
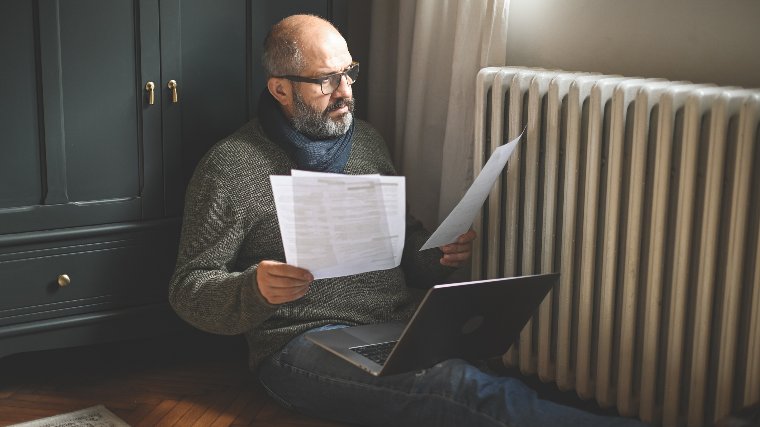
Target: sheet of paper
[
  {"x": 394, "y": 202},
  {"x": 335, "y": 225},
  {"x": 461, "y": 217}
]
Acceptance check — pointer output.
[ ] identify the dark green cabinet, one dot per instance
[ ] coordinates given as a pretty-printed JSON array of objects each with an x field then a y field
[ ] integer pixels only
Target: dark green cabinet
[{"x": 92, "y": 174}]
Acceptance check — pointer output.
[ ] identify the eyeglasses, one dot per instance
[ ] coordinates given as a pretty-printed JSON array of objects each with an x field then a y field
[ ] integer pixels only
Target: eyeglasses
[{"x": 330, "y": 82}]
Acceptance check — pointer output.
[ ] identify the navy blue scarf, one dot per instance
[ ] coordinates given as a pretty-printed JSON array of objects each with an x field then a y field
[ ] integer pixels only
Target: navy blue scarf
[{"x": 329, "y": 155}]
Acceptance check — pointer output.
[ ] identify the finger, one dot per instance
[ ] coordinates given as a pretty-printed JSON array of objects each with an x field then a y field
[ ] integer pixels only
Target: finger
[
  {"x": 452, "y": 263},
  {"x": 282, "y": 299},
  {"x": 455, "y": 248},
  {"x": 467, "y": 237},
  {"x": 279, "y": 295},
  {"x": 280, "y": 269},
  {"x": 458, "y": 257},
  {"x": 287, "y": 294},
  {"x": 282, "y": 282},
  {"x": 462, "y": 244}
]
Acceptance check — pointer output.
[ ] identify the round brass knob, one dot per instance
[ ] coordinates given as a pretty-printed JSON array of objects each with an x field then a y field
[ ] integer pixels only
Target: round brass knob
[{"x": 64, "y": 280}]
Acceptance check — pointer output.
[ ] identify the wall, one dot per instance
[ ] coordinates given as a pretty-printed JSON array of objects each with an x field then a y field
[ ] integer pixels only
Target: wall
[
  {"x": 353, "y": 20},
  {"x": 703, "y": 41}
]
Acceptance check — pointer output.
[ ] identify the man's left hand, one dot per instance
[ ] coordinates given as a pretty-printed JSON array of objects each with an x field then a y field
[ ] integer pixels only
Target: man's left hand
[{"x": 458, "y": 253}]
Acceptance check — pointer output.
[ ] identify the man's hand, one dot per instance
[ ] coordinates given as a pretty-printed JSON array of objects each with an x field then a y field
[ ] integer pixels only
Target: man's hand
[
  {"x": 280, "y": 283},
  {"x": 458, "y": 253}
]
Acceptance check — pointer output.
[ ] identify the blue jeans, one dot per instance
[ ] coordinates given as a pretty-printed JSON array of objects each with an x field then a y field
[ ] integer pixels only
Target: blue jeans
[{"x": 305, "y": 378}]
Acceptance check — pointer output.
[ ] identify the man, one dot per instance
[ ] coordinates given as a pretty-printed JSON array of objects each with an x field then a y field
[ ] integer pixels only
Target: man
[{"x": 230, "y": 276}]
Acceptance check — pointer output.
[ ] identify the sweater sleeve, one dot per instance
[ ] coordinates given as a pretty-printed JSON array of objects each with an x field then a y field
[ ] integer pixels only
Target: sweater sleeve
[{"x": 204, "y": 290}]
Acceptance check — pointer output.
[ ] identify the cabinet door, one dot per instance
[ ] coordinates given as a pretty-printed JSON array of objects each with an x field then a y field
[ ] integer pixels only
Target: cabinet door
[
  {"x": 204, "y": 49},
  {"x": 75, "y": 148}
]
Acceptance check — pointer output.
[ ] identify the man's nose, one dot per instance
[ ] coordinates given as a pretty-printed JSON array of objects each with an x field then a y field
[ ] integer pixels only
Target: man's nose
[{"x": 344, "y": 89}]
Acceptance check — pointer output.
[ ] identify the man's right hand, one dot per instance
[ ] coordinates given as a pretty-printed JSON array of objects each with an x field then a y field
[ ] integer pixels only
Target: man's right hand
[{"x": 280, "y": 283}]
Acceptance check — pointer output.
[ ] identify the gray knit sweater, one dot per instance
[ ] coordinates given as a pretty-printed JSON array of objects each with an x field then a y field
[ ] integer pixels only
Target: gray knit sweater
[{"x": 230, "y": 225}]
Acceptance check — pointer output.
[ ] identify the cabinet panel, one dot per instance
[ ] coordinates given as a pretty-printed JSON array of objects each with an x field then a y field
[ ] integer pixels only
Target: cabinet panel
[
  {"x": 99, "y": 80},
  {"x": 20, "y": 159},
  {"x": 214, "y": 55},
  {"x": 77, "y": 141}
]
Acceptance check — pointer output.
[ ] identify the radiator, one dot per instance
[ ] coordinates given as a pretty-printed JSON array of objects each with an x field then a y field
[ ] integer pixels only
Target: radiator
[{"x": 644, "y": 194}]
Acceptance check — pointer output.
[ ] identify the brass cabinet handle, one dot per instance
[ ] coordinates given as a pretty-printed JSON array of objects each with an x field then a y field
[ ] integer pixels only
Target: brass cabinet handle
[
  {"x": 173, "y": 86},
  {"x": 151, "y": 94},
  {"x": 64, "y": 280}
]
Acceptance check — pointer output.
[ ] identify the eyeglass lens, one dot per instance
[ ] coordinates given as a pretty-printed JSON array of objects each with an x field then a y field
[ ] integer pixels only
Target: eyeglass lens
[{"x": 333, "y": 81}]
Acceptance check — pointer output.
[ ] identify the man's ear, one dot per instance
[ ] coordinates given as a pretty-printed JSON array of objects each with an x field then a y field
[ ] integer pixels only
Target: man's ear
[{"x": 281, "y": 90}]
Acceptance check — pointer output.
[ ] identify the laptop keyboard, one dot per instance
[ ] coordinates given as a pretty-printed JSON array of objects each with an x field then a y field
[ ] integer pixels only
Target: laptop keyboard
[{"x": 375, "y": 352}]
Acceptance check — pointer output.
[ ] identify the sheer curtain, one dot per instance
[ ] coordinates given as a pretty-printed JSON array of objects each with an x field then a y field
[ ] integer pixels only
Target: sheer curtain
[{"x": 424, "y": 56}]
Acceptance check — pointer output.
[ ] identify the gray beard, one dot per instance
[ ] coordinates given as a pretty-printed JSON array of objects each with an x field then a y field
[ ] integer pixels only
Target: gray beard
[{"x": 318, "y": 125}]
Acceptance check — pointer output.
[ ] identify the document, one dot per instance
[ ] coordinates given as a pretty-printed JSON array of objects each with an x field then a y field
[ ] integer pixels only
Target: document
[
  {"x": 336, "y": 225},
  {"x": 461, "y": 217}
]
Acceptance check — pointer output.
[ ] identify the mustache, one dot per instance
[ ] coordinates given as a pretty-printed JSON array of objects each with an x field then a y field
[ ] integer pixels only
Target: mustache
[{"x": 340, "y": 103}]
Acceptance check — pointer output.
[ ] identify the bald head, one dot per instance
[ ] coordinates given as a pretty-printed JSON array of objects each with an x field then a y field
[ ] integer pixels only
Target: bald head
[{"x": 296, "y": 41}]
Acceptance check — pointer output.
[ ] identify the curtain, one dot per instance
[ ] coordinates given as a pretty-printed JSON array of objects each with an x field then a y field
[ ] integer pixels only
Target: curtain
[{"x": 424, "y": 57}]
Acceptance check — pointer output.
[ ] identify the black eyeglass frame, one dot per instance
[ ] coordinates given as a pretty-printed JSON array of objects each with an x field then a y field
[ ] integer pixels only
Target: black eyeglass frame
[{"x": 353, "y": 69}]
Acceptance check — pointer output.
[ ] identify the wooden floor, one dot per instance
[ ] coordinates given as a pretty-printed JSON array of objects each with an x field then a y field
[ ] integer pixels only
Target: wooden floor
[
  {"x": 157, "y": 382},
  {"x": 186, "y": 380}
]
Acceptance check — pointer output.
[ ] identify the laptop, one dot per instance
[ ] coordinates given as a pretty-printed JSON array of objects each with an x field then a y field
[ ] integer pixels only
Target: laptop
[{"x": 469, "y": 320}]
